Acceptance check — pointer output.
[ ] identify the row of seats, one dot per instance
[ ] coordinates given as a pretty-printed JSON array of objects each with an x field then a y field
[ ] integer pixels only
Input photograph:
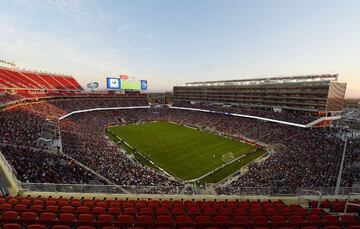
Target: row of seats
[
  {"x": 139, "y": 203},
  {"x": 335, "y": 205},
  {"x": 39, "y": 226},
  {"x": 147, "y": 221},
  {"x": 27, "y": 80},
  {"x": 148, "y": 213},
  {"x": 180, "y": 210}
]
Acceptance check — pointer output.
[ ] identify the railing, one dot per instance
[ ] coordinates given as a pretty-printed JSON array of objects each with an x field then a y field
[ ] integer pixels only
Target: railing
[
  {"x": 10, "y": 171},
  {"x": 142, "y": 190},
  {"x": 107, "y": 189},
  {"x": 330, "y": 191},
  {"x": 349, "y": 203},
  {"x": 306, "y": 194}
]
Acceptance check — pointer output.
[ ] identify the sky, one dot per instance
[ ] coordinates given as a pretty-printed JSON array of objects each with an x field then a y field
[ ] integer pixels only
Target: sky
[{"x": 170, "y": 42}]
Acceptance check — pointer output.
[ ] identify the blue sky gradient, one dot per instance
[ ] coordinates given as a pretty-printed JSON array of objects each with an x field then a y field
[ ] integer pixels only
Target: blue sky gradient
[{"x": 171, "y": 42}]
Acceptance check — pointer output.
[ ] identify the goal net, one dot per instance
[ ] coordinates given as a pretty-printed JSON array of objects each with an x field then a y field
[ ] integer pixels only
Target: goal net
[{"x": 226, "y": 157}]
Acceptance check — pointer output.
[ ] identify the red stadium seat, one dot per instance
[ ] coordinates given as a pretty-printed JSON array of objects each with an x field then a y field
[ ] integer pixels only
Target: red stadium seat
[
  {"x": 296, "y": 220},
  {"x": 177, "y": 211},
  {"x": 222, "y": 221},
  {"x": 242, "y": 221},
  {"x": 164, "y": 221},
  {"x": 332, "y": 220},
  {"x": 66, "y": 218},
  {"x": 85, "y": 219},
  {"x": 260, "y": 221},
  {"x": 20, "y": 207},
  {"x": 162, "y": 211},
  {"x": 125, "y": 220},
  {"x": 183, "y": 221},
  {"x": 144, "y": 221},
  {"x": 47, "y": 217},
  {"x": 36, "y": 208},
  {"x": 83, "y": 210},
  {"x": 278, "y": 221},
  {"x": 27, "y": 217},
  {"x": 314, "y": 220},
  {"x": 114, "y": 211},
  {"x": 36, "y": 226},
  {"x": 130, "y": 211},
  {"x": 105, "y": 220},
  {"x": 67, "y": 209},
  {"x": 203, "y": 221},
  {"x": 8, "y": 216},
  {"x": 98, "y": 210},
  {"x": 60, "y": 227},
  {"x": 86, "y": 227},
  {"x": 11, "y": 226},
  {"x": 51, "y": 208}
]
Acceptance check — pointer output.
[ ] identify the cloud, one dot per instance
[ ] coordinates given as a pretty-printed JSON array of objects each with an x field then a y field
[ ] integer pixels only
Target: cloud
[
  {"x": 65, "y": 6},
  {"x": 44, "y": 51},
  {"x": 122, "y": 28}
]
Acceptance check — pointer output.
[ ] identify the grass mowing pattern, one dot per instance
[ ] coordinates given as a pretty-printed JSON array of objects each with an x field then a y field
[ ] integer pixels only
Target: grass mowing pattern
[
  {"x": 231, "y": 168},
  {"x": 185, "y": 153}
]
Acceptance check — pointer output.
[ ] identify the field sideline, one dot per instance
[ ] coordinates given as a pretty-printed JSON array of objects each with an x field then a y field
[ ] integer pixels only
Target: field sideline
[{"x": 185, "y": 153}]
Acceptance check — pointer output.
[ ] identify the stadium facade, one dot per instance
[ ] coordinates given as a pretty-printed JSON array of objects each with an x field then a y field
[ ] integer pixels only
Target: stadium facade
[{"x": 320, "y": 94}]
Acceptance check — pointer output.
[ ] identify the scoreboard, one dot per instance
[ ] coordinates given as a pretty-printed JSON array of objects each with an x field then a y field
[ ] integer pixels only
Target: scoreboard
[{"x": 114, "y": 83}]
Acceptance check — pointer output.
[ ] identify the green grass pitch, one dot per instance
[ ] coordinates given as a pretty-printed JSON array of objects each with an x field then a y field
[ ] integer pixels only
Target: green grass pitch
[{"x": 185, "y": 153}]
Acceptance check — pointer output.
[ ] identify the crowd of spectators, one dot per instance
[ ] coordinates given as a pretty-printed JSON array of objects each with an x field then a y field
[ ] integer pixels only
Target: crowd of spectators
[
  {"x": 302, "y": 157},
  {"x": 38, "y": 166},
  {"x": 288, "y": 116},
  {"x": 6, "y": 98}
]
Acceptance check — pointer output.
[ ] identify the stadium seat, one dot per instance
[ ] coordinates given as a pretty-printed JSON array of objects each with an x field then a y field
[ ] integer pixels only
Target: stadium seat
[
  {"x": 36, "y": 226},
  {"x": 66, "y": 219},
  {"x": 60, "y": 227},
  {"x": 86, "y": 227},
  {"x": 130, "y": 211},
  {"x": 332, "y": 220},
  {"x": 203, "y": 221},
  {"x": 144, "y": 221},
  {"x": 314, "y": 220},
  {"x": 162, "y": 211},
  {"x": 260, "y": 221},
  {"x": 47, "y": 217},
  {"x": 332, "y": 227},
  {"x": 20, "y": 207},
  {"x": 176, "y": 211},
  {"x": 164, "y": 221},
  {"x": 11, "y": 226},
  {"x": 222, "y": 221},
  {"x": 296, "y": 220},
  {"x": 349, "y": 220},
  {"x": 27, "y": 217},
  {"x": 183, "y": 221},
  {"x": 105, "y": 220},
  {"x": 278, "y": 221},
  {"x": 98, "y": 210},
  {"x": 125, "y": 220},
  {"x": 242, "y": 221},
  {"x": 36, "y": 208},
  {"x": 85, "y": 219},
  {"x": 83, "y": 210},
  {"x": 146, "y": 211},
  {"x": 8, "y": 216}
]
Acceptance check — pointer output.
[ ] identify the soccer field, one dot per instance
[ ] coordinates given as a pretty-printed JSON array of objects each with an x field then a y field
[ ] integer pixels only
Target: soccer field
[{"x": 185, "y": 153}]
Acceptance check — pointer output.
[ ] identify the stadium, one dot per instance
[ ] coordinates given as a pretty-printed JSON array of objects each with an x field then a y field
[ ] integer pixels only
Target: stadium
[{"x": 256, "y": 153}]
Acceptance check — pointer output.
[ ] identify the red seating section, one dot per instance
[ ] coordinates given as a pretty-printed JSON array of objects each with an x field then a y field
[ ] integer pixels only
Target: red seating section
[
  {"x": 335, "y": 205},
  {"x": 36, "y": 81},
  {"x": 39, "y": 212}
]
